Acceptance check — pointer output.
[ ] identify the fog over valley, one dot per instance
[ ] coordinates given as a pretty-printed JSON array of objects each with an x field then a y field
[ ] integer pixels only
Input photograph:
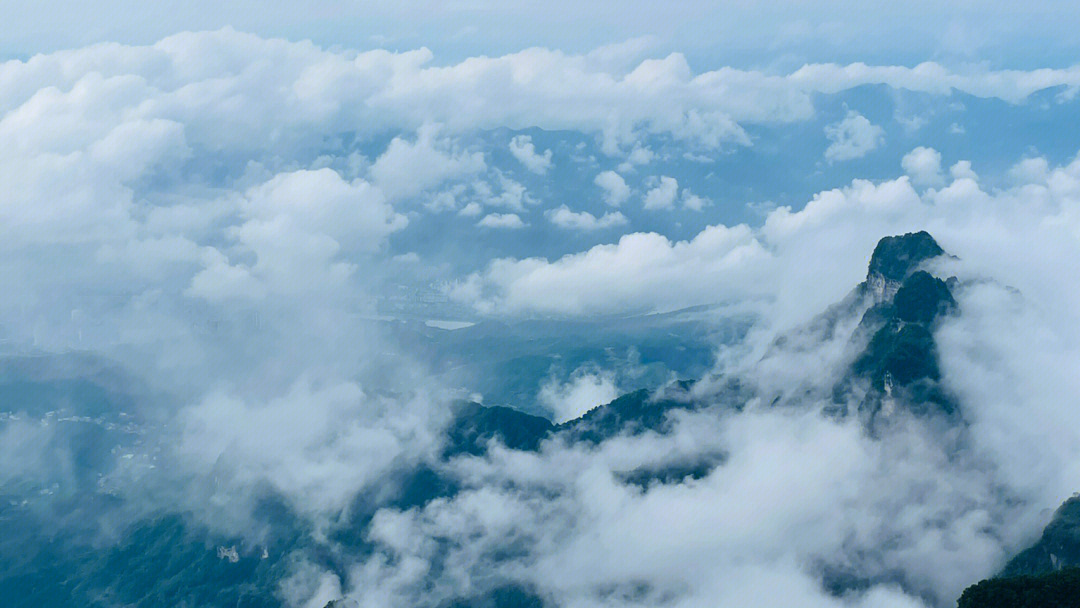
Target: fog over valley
[{"x": 371, "y": 307}]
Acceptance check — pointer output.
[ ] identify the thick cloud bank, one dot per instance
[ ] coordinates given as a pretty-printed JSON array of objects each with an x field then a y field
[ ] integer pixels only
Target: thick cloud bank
[
  {"x": 189, "y": 165},
  {"x": 816, "y": 252}
]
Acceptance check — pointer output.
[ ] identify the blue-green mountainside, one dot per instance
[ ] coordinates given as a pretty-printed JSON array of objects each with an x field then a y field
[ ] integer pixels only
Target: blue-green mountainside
[
  {"x": 54, "y": 552},
  {"x": 1045, "y": 575}
]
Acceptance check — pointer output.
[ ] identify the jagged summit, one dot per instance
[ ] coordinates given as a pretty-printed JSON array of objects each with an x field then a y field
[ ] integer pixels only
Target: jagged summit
[
  {"x": 896, "y": 257},
  {"x": 900, "y": 358}
]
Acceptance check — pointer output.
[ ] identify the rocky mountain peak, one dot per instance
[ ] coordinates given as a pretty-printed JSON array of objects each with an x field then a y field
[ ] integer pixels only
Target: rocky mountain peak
[{"x": 896, "y": 257}]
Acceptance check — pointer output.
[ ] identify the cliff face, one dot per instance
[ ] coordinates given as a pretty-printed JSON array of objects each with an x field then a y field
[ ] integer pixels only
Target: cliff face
[
  {"x": 1056, "y": 549},
  {"x": 897, "y": 257}
]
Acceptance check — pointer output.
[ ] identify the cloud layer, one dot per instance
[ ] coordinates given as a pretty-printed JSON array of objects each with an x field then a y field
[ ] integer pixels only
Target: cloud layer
[{"x": 219, "y": 212}]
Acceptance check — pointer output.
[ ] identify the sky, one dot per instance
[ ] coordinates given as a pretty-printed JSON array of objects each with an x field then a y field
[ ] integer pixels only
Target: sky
[
  {"x": 741, "y": 33},
  {"x": 223, "y": 197}
]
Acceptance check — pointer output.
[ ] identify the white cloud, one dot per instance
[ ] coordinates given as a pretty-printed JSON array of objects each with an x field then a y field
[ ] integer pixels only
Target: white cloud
[
  {"x": 646, "y": 271},
  {"x": 853, "y": 137},
  {"x": 923, "y": 165},
  {"x": 615, "y": 189},
  {"x": 643, "y": 271},
  {"x": 70, "y": 157},
  {"x": 409, "y": 257},
  {"x": 563, "y": 217},
  {"x": 277, "y": 94},
  {"x": 521, "y": 146},
  {"x": 962, "y": 170},
  {"x": 406, "y": 168},
  {"x": 800, "y": 260},
  {"x": 662, "y": 196},
  {"x": 584, "y": 390},
  {"x": 510, "y": 194},
  {"x": 301, "y": 228},
  {"x": 640, "y": 155},
  {"x": 501, "y": 220},
  {"x": 1030, "y": 170},
  {"x": 304, "y": 442},
  {"x": 692, "y": 201},
  {"x": 83, "y": 127},
  {"x": 471, "y": 210},
  {"x": 1012, "y": 86},
  {"x": 854, "y": 510}
]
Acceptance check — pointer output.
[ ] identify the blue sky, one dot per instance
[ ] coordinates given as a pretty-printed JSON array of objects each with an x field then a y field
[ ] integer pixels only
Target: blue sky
[{"x": 741, "y": 33}]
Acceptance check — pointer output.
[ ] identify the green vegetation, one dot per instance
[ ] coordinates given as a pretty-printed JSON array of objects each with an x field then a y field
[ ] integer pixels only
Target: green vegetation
[
  {"x": 475, "y": 425},
  {"x": 1058, "y": 547},
  {"x": 1059, "y": 589},
  {"x": 922, "y": 298}
]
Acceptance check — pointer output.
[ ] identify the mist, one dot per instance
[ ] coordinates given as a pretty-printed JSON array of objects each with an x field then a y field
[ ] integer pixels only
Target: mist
[{"x": 253, "y": 284}]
